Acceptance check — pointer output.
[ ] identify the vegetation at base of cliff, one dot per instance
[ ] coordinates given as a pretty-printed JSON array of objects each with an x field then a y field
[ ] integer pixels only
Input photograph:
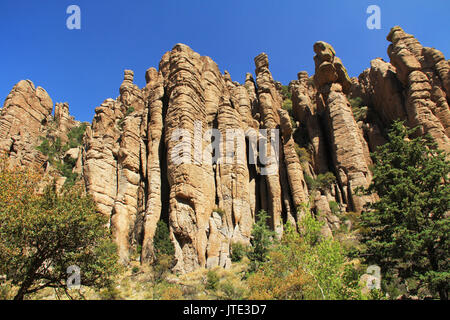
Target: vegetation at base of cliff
[
  {"x": 407, "y": 231},
  {"x": 43, "y": 234},
  {"x": 306, "y": 265},
  {"x": 238, "y": 251},
  {"x": 262, "y": 239},
  {"x": 161, "y": 242}
]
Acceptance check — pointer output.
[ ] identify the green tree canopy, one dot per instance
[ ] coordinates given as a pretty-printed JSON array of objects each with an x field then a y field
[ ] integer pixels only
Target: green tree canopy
[
  {"x": 41, "y": 235},
  {"x": 407, "y": 231}
]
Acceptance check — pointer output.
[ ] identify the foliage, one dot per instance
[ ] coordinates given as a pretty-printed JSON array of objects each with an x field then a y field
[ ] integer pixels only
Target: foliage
[
  {"x": 129, "y": 111},
  {"x": 407, "y": 231},
  {"x": 303, "y": 154},
  {"x": 212, "y": 280},
  {"x": 238, "y": 251},
  {"x": 121, "y": 121},
  {"x": 54, "y": 150},
  {"x": 334, "y": 207},
  {"x": 161, "y": 242},
  {"x": 285, "y": 92},
  {"x": 262, "y": 238},
  {"x": 229, "y": 291},
  {"x": 359, "y": 112},
  {"x": 75, "y": 135},
  {"x": 306, "y": 265},
  {"x": 164, "y": 252},
  {"x": 287, "y": 105},
  {"x": 41, "y": 235},
  {"x": 110, "y": 292},
  {"x": 161, "y": 267},
  {"x": 220, "y": 211},
  {"x": 322, "y": 182}
]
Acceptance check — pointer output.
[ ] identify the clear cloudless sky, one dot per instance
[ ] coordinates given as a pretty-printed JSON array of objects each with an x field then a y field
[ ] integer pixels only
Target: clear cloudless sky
[{"x": 84, "y": 67}]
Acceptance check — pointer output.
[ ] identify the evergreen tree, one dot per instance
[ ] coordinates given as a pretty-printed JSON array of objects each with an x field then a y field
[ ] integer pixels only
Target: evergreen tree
[
  {"x": 406, "y": 232},
  {"x": 262, "y": 238}
]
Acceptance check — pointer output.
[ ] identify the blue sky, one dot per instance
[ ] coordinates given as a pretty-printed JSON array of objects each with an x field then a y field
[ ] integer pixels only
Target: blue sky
[{"x": 84, "y": 67}]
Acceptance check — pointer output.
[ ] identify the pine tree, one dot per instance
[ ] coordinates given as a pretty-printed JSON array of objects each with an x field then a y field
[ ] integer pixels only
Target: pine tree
[{"x": 407, "y": 231}]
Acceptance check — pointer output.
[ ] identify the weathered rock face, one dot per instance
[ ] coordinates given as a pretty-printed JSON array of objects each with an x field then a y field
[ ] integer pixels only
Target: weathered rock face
[
  {"x": 23, "y": 120},
  {"x": 413, "y": 87},
  {"x": 205, "y": 154},
  {"x": 349, "y": 150}
]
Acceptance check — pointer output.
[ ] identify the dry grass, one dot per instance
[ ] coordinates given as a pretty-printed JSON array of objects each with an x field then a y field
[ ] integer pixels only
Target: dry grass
[{"x": 137, "y": 283}]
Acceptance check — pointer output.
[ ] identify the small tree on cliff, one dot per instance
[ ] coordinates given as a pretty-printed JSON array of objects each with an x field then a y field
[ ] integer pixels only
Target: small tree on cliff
[
  {"x": 407, "y": 230},
  {"x": 42, "y": 235}
]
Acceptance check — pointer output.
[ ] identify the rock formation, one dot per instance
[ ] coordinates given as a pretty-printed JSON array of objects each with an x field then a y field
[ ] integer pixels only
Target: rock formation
[{"x": 205, "y": 154}]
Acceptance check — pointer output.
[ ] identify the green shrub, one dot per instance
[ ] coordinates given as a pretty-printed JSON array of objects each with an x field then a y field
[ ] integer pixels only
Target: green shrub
[
  {"x": 56, "y": 229},
  {"x": 162, "y": 266},
  {"x": 129, "y": 111},
  {"x": 110, "y": 293},
  {"x": 262, "y": 238},
  {"x": 54, "y": 150},
  {"x": 334, "y": 207},
  {"x": 238, "y": 251},
  {"x": 220, "y": 211},
  {"x": 303, "y": 154},
  {"x": 322, "y": 182},
  {"x": 305, "y": 265},
  {"x": 135, "y": 270},
  {"x": 75, "y": 135},
  {"x": 161, "y": 242},
  {"x": 212, "y": 280},
  {"x": 359, "y": 112},
  {"x": 285, "y": 92},
  {"x": 230, "y": 292}
]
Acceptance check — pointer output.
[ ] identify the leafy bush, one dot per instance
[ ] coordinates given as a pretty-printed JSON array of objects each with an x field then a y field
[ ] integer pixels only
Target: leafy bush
[
  {"x": 228, "y": 291},
  {"x": 212, "y": 280},
  {"x": 135, "y": 269},
  {"x": 161, "y": 242},
  {"x": 285, "y": 92},
  {"x": 322, "y": 182},
  {"x": 238, "y": 251},
  {"x": 220, "y": 211},
  {"x": 121, "y": 121},
  {"x": 110, "y": 293},
  {"x": 161, "y": 267},
  {"x": 54, "y": 150},
  {"x": 334, "y": 207},
  {"x": 359, "y": 112},
  {"x": 75, "y": 135},
  {"x": 306, "y": 265},
  {"x": 302, "y": 153}
]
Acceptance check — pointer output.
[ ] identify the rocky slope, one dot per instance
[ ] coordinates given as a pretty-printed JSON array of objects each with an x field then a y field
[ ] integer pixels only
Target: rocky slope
[{"x": 153, "y": 153}]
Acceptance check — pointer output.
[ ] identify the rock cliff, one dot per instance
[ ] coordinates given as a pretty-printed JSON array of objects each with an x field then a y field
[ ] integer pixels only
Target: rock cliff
[{"x": 205, "y": 153}]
